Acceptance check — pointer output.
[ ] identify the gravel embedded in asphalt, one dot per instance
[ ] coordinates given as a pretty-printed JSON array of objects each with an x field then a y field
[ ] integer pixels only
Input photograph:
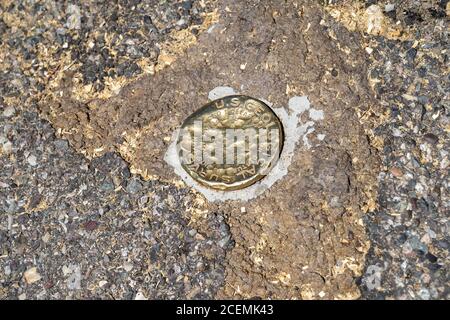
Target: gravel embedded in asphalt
[{"x": 71, "y": 227}]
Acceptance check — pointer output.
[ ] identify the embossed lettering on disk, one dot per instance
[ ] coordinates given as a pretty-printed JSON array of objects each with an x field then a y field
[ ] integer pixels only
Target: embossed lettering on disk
[{"x": 230, "y": 143}]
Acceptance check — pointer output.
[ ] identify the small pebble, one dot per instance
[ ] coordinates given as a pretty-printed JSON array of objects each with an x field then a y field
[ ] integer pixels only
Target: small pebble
[
  {"x": 9, "y": 112},
  {"x": 31, "y": 275},
  {"x": 389, "y": 7},
  {"x": 397, "y": 172},
  {"x": 431, "y": 138},
  {"x": 128, "y": 266},
  {"x": 134, "y": 186},
  {"x": 91, "y": 225},
  {"x": 32, "y": 160}
]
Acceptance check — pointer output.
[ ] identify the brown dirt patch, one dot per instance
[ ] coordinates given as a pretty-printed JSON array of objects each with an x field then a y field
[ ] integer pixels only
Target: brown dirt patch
[{"x": 304, "y": 238}]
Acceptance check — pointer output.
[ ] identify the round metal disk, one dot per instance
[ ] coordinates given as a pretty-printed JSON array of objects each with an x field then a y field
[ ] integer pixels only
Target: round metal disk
[{"x": 230, "y": 143}]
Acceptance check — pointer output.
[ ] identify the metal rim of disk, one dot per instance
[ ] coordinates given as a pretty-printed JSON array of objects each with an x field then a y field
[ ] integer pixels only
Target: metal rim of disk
[{"x": 227, "y": 113}]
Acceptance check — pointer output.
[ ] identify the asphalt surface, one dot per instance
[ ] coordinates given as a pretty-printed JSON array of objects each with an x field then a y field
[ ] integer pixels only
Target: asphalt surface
[{"x": 77, "y": 225}]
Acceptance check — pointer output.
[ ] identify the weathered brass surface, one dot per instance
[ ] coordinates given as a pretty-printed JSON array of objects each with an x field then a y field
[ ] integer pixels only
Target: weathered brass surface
[{"x": 258, "y": 132}]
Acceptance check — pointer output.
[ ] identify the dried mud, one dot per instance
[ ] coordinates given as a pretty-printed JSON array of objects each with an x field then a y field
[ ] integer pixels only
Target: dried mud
[{"x": 304, "y": 238}]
